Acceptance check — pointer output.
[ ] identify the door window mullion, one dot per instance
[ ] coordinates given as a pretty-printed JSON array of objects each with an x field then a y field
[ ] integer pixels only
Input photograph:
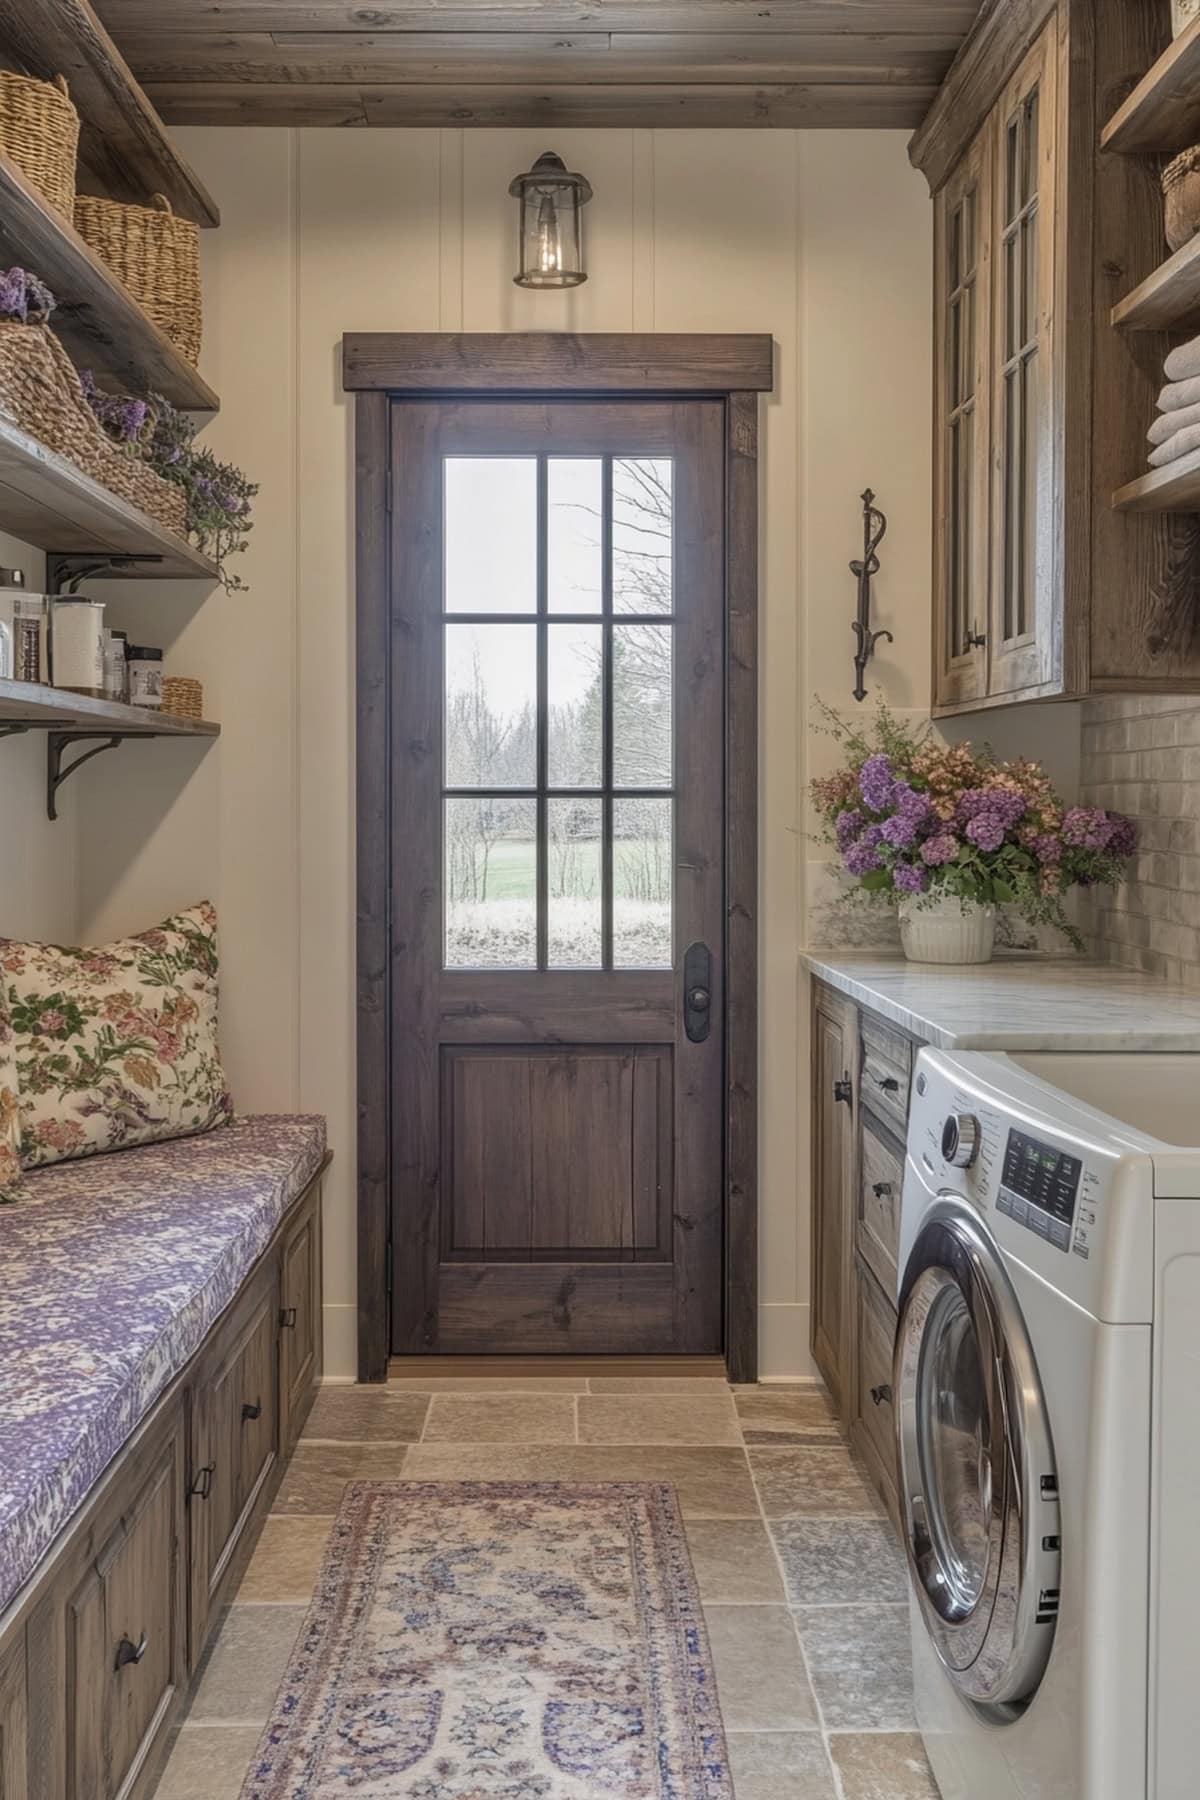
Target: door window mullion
[
  {"x": 606, "y": 822},
  {"x": 543, "y": 713}
]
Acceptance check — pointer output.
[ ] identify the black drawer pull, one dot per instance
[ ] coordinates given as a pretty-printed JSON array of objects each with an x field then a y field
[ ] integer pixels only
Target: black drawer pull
[
  {"x": 843, "y": 1090},
  {"x": 251, "y": 1409},
  {"x": 287, "y": 1318},
  {"x": 881, "y": 1189},
  {"x": 202, "y": 1485},
  {"x": 129, "y": 1652},
  {"x": 882, "y": 1395},
  {"x": 888, "y": 1083}
]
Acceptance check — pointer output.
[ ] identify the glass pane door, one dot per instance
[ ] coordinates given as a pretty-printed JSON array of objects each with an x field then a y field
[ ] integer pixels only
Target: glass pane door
[{"x": 558, "y": 781}]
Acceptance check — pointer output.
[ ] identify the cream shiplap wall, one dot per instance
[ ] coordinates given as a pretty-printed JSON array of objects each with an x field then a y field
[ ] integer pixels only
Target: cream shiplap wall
[{"x": 821, "y": 239}]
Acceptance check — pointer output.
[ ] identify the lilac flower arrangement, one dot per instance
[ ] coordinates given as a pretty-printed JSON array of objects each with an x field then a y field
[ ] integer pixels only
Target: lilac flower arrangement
[
  {"x": 120, "y": 417},
  {"x": 911, "y": 816},
  {"x": 24, "y": 299}
]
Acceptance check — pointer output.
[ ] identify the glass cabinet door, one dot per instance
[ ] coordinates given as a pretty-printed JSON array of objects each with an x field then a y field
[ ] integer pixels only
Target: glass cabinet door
[
  {"x": 962, "y": 410},
  {"x": 1023, "y": 582}
]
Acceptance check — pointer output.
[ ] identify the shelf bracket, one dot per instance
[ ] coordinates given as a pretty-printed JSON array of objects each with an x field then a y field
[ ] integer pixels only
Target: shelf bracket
[
  {"x": 57, "y": 771},
  {"x": 69, "y": 567},
  {"x": 13, "y": 730}
]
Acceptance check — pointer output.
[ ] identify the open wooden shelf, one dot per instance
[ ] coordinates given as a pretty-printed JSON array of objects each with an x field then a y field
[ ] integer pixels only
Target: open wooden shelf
[
  {"x": 1168, "y": 300},
  {"x": 47, "y": 501},
  {"x": 1163, "y": 111},
  {"x": 35, "y": 707},
  {"x": 97, "y": 318},
  {"x": 1173, "y": 489},
  {"x": 124, "y": 147}
]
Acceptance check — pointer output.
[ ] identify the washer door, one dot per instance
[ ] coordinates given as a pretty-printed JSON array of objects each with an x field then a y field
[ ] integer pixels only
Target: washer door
[{"x": 978, "y": 1483}]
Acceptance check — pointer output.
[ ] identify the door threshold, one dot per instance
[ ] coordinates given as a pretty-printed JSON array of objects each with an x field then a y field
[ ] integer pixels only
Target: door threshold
[{"x": 472, "y": 1368}]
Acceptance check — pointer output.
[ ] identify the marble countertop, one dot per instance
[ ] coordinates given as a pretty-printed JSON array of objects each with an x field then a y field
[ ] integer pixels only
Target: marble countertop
[{"x": 1017, "y": 1002}]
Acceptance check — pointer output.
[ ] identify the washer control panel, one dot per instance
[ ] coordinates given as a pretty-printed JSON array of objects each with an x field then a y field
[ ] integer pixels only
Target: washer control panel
[{"x": 1039, "y": 1187}]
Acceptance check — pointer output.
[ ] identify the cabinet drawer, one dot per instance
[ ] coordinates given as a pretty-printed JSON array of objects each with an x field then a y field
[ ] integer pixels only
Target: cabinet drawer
[
  {"x": 235, "y": 1440},
  {"x": 886, "y": 1072},
  {"x": 14, "y": 1723},
  {"x": 873, "y": 1425},
  {"x": 881, "y": 1179},
  {"x": 125, "y": 1639},
  {"x": 299, "y": 1319}
]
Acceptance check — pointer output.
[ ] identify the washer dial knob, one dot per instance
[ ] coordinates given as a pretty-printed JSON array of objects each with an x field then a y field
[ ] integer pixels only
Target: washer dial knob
[{"x": 961, "y": 1137}]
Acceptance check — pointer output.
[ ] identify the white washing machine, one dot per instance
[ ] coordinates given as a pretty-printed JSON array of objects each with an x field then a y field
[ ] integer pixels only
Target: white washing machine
[{"x": 1046, "y": 1387}]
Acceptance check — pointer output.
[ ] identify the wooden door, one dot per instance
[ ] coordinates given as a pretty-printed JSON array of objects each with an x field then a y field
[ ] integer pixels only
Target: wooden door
[
  {"x": 835, "y": 1048},
  {"x": 1025, "y": 635},
  {"x": 962, "y": 425},
  {"x": 557, "y": 875}
]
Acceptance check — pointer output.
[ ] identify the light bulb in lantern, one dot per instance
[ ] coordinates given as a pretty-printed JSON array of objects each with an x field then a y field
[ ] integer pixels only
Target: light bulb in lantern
[{"x": 550, "y": 237}]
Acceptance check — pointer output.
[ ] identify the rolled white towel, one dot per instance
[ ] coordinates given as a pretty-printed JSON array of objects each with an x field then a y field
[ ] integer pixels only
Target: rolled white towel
[
  {"x": 1183, "y": 363},
  {"x": 1167, "y": 424},
  {"x": 1180, "y": 394},
  {"x": 1176, "y": 446}
]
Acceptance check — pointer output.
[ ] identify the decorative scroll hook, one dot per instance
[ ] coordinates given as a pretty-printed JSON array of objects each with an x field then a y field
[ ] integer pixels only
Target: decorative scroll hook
[{"x": 874, "y": 531}]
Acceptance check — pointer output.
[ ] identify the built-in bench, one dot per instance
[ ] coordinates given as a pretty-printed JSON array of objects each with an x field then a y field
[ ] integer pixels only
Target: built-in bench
[{"x": 160, "y": 1344}]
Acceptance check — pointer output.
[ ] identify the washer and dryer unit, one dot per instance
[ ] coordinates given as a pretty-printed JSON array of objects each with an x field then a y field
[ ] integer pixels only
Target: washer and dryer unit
[{"x": 1046, "y": 1387}]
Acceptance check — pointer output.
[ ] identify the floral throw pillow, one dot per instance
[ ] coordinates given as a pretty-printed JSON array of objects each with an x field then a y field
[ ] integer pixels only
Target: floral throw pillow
[
  {"x": 116, "y": 1046},
  {"x": 10, "y": 1110}
]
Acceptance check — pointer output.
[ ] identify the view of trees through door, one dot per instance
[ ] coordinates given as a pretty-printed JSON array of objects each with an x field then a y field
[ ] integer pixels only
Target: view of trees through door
[{"x": 607, "y": 706}]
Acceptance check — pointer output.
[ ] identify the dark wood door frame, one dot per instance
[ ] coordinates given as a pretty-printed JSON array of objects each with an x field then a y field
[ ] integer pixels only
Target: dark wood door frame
[{"x": 378, "y": 366}]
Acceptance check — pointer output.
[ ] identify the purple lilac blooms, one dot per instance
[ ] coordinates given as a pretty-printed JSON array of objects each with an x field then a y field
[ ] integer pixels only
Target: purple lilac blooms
[
  {"x": 847, "y": 827},
  {"x": 1001, "y": 804},
  {"x": 1123, "y": 841},
  {"x": 940, "y": 849},
  {"x": 23, "y": 297},
  {"x": 900, "y": 831},
  {"x": 877, "y": 782},
  {"x": 986, "y": 830},
  {"x": 910, "y": 879},
  {"x": 1089, "y": 827},
  {"x": 862, "y": 858},
  {"x": 1047, "y": 847}
]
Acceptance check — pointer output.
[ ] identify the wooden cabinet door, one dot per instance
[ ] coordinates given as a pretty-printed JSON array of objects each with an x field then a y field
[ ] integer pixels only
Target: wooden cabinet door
[
  {"x": 299, "y": 1319},
  {"x": 14, "y": 1724},
  {"x": 872, "y": 1424},
  {"x": 835, "y": 1054},
  {"x": 235, "y": 1440},
  {"x": 962, "y": 425},
  {"x": 1025, "y": 632},
  {"x": 126, "y": 1637}
]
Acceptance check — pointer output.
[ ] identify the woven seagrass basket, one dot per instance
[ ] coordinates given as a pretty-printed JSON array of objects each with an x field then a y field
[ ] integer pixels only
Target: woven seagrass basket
[
  {"x": 41, "y": 394},
  {"x": 39, "y": 132},
  {"x": 156, "y": 255},
  {"x": 1181, "y": 191},
  {"x": 183, "y": 696}
]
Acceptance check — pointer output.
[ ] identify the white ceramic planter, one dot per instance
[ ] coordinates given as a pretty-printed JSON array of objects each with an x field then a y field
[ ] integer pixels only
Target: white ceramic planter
[{"x": 948, "y": 930}]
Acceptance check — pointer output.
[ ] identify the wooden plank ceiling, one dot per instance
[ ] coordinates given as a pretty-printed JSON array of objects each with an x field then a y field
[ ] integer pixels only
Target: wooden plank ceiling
[{"x": 541, "y": 62}]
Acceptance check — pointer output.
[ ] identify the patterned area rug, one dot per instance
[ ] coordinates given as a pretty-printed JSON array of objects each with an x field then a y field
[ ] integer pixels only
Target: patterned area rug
[{"x": 499, "y": 1641}]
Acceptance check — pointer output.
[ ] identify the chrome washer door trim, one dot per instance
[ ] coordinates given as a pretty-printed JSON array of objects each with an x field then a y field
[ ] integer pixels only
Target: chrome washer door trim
[{"x": 991, "y": 1614}]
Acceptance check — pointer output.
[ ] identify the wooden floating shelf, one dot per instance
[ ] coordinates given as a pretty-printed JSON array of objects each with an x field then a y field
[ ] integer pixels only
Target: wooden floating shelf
[
  {"x": 1173, "y": 489},
  {"x": 46, "y": 501},
  {"x": 124, "y": 147},
  {"x": 1167, "y": 300},
  {"x": 1163, "y": 111},
  {"x": 97, "y": 318},
  {"x": 34, "y": 707}
]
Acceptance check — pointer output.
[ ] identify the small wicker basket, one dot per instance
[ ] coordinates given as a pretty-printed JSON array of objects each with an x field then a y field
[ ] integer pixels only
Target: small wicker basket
[
  {"x": 41, "y": 394},
  {"x": 183, "y": 696},
  {"x": 1181, "y": 191},
  {"x": 156, "y": 255},
  {"x": 39, "y": 132}
]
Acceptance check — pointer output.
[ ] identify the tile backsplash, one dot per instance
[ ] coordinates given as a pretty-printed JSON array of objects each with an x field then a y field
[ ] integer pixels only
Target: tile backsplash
[{"x": 1142, "y": 756}]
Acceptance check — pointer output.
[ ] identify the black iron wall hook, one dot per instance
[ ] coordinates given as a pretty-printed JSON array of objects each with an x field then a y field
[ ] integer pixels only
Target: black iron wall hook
[{"x": 874, "y": 532}]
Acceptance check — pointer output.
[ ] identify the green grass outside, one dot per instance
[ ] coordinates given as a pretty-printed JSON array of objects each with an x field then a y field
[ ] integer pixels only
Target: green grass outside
[{"x": 512, "y": 868}]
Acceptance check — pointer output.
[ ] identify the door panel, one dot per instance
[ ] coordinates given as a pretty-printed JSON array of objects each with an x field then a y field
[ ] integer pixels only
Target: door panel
[{"x": 557, "y": 794}]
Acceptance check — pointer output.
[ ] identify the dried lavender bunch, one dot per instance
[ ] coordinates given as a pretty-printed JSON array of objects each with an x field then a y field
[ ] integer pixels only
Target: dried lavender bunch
[
  {"x": 24, "y": 298},
  {"x": 218, "y": 494},
  {"x": 122, "y": 418}
]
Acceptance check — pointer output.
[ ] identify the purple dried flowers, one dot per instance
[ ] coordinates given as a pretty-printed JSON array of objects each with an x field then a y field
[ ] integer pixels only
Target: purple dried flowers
[
  {"x": 23, "y": 298},
  {"x": 120, "y": 417}
]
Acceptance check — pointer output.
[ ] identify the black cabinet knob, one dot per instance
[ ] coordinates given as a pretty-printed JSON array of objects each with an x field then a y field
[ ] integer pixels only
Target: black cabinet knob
[
  {"x": 881, "y": 1189},
  {"x": 287, "y": 1318},
  {"x": 882, "y": 1395},
  {"x": 888, "y": 1083},
  {"x": 251, "y": 1409},
  {"x": 843, "y": 1090},
  {"x": 202, "y": 1485},
  {"x": 129, "y": 1652}
]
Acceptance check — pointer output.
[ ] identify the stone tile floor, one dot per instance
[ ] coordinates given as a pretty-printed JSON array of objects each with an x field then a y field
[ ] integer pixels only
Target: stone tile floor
[{"x": 803, "y": 1584}]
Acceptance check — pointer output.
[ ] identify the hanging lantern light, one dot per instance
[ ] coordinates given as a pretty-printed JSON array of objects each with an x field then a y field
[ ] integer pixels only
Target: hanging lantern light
[{"x": 551, "y": 231}]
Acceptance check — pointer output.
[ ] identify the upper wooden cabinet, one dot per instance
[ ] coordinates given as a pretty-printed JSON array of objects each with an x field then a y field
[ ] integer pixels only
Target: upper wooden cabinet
[{"x": 1041, "y": 589}]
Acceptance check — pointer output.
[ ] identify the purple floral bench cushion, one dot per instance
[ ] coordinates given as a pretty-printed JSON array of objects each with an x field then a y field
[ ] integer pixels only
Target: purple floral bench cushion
[{"x": 112, "y": 1271}]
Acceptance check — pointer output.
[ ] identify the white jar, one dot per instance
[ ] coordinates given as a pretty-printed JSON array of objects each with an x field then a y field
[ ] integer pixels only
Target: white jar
[
  {"x": 144, "y": 670},
  {"x": 77, "y": 645},
  {"x": 946, "y": 929}
]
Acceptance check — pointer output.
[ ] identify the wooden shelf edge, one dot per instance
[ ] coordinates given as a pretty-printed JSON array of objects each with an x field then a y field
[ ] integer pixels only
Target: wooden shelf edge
[
  {"x": 54, "y": 505},
  {"x": 123, "y": 141},
  {"x": 36, "y": 707},
  {"x": 98, "y": 319},
  {"x": 1168, "y": 299},
  {"x": 1173, "y": 489},
  {"x": 1163, "y": 111}
]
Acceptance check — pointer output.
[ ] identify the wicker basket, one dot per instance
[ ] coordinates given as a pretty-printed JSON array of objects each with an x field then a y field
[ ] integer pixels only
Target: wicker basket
[
  {"x": 183, "y": 696},
  {"x": 39, "y": 132},
  {"x": 41, "y": 394},
  {"x": 1181, "y": 191},
  {"x": 156, "y": 255}
]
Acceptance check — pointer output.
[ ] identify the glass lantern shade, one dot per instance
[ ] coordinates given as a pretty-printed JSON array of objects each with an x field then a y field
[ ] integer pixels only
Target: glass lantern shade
[{"x": 551, "y": 230}]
